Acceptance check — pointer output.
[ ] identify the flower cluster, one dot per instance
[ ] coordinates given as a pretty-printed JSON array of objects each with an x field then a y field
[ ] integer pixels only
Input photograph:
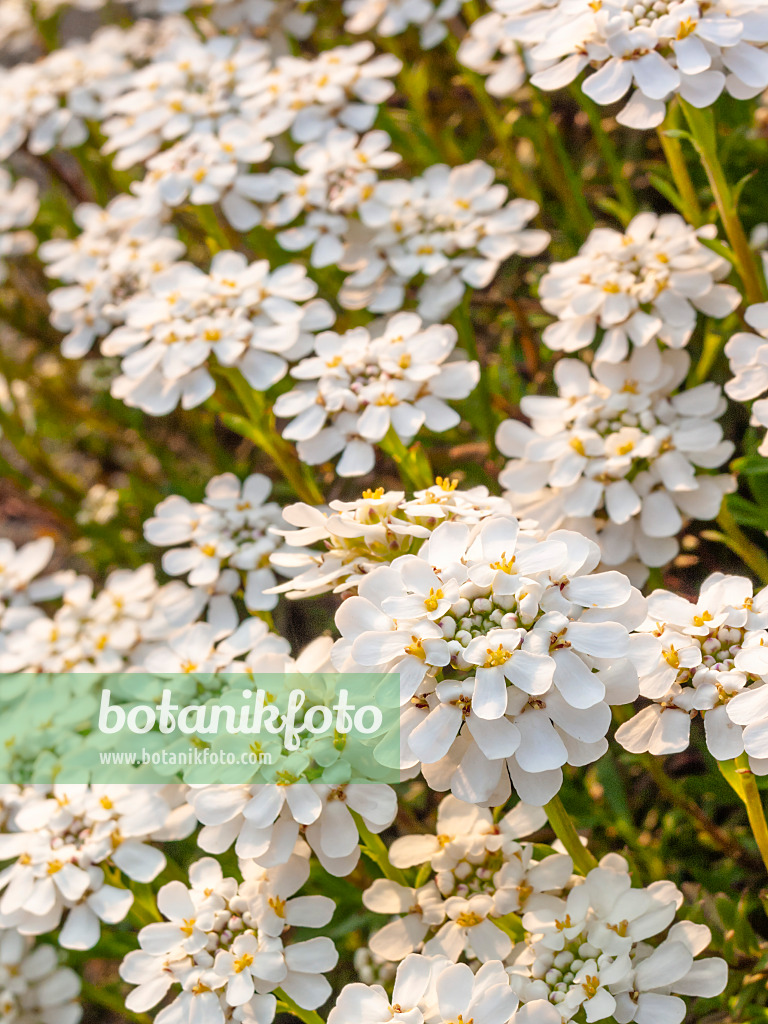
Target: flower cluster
[
  {"x": 221, "y": 950},
  {"x": 33, "y": 987},
  {"x": 583, "y": 952},
  {"x": 119, "y": 250},
  {"x": 244, "y": 314},
  {"x": 656, "y": 50},
  {"x": 228, "y": 543},
  {"x": 361, "y": 384},
  {"x": 18, "y": 208},
  {"x": 510, "y": 651},
  {"x": 748, "y": 356},
  {"x": 438, "y": 233},
  {"x": 377, "y": 527},
  {"x": 60, "y": 838},
  {"x": 47, "y": 103},
  {"x": 587, "y": 951},
  {"x": 479, "y": 874},
  {"x": 646, "y": 283},
  {"x": 711, "y": 652},
  {"x": 393, "y": 17},
  {"x": 621, "y": 454}
]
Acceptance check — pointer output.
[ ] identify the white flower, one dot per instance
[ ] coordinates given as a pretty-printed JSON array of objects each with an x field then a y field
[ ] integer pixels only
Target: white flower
[
  {"x": 246, "y": 315},
  {"x": 392, "y": 17},
  {"x": 669, "y": 971},
  {"x": 680, "y": 47},
  {"x": 433, "y": 989},
  {"x": 710, "y": 652},
  {"x": 19, "y": 204},
  {"x": 214, "y": 945},
  {"x": 529, "y": 606},
  {"x": 646, "y": 283},
  {"x": 378, "y": 527},
  {"x": 423, "y": 908},
  {"x": 229, "y": 530},
  {"x": 748, "y": 356},
  {"x": 510, "y": 29},
  {"x": 620, "y": 453},
  {"x": 587, "y": 952},
  {"x": 361, "y": 385},
  {"x": 33, "y": 987}
]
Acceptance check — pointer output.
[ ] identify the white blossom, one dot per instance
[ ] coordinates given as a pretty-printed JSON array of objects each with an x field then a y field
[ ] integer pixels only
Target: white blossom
[
  {"x": 710, "y": 651},
  {"x": 653, "y": 51},
  {"x": 362, "y": 384},
  {"x": 628, "y": 288},
  {"x": 509, "y": 650},
  {"x": 621, "y": 453},
  {"x": 227, "y": 542},
  {"x": 33, "y": 987},
  {"x": 748, "y": 356}
]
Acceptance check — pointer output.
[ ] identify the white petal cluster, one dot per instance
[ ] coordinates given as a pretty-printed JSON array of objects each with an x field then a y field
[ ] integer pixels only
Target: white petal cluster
[
  {"x": 436, "y": 233},
  {"x": 626, "y": 289},
  {"x": 498, "y": 44},
  {"x": 220, "y": 950},
  {"x": 652, "y": 49},
  {"x": 433, "y": 990},
  {"x": 19, "y": 204},
  {"x": 225, "y": 542},
  {"x": 263, "y": 820},
  {"x": 247, "y": 316},
  {"x": 587, "y": 952},
  {"x": 59, "y": 839},
  {"x": 119, "y": 250},
  {"x": 33, "y": 987},
  {"x": 275, "y": 18},
  {"x": 510, "y": 651},
  {"x": 621, "y": 453},
  {"x": 47, "y": 103},
  {"x": 196, "y": 86},
  {"x": 363, "y": 383},
  {"x": 711, "y": 651},
  {"x": 108, "y": 631},
  {"x": 748, "y": 357},
  {"x": 479, "y": 873},
  {"x": 377, "y": 527},
  {"x": 393, "y": 17}
]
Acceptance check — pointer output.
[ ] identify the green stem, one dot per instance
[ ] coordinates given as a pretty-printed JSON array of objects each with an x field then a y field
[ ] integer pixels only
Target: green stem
[
  {"x": 287, "y": 1005},
  {"x": 607, "y": 149},
  {"x": 375, "y": 849},
  {"x": 566, "y": 832},
  {"x": 721, "y": 839},
  {"x": 500, "y": 129},
  {"x": 739, "y": 543},
  {"x": 751, "y": 796},
  {"x": 259, "y": 427},
  {"x": 702, "y": 126},
  {"x": 412, "y": 463},
  {"x": 560, "y": 170},
  {"x": 673, "y": 151}
]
